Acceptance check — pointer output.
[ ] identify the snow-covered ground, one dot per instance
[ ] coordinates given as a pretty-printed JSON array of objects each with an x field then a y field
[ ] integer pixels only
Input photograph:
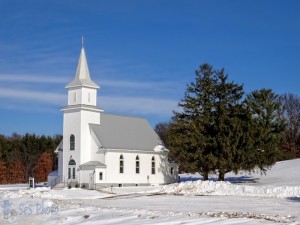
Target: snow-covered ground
[{"x": 242, "y": 199}]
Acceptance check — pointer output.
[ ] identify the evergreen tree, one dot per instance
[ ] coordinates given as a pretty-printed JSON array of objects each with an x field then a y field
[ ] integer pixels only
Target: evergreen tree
[
  {"x": 29, "y": 153},
  {"x": 216, "y": 132},
  {"x": 265, "y": 107},
  {"x": 190, "y": 136},
  {"x": 209, "y": 134},
  {"x": 232, "y": 125}
]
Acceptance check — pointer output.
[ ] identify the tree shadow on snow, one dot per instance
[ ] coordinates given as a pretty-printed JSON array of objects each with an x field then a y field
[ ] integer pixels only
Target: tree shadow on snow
[
  {"x": 236, "y": 180},
  {"x": 294, "y": 199},
  {"x": 242, "y": 179},
  {"x": 190, "y": 178}
]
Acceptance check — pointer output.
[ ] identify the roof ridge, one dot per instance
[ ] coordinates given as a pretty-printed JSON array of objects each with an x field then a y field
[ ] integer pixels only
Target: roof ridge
[{"x": 134, "y": 117}]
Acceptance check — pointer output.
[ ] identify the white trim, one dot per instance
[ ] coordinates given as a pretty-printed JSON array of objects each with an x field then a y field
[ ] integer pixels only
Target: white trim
[
  {"x": 77, "y": 108},
  {"x": 74, "y": 87}
]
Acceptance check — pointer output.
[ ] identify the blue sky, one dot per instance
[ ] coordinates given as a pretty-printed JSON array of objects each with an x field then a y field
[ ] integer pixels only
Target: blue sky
[{"x": 141, "y": 52}]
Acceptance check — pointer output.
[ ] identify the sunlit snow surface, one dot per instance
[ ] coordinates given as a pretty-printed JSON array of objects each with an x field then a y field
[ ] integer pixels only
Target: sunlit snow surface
[{"x": 242, "y": 199}]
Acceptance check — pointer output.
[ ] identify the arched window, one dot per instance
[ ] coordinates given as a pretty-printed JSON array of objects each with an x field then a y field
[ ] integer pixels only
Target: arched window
[
  {"x": 137, "y": 164},
  {"x": 72, "y": 142},
  {"x": 121, "y": 164},
  {"x": 153, "y": 165},
  {"x": 72, "y": 162},
  {"x": 172, "y": 170}
]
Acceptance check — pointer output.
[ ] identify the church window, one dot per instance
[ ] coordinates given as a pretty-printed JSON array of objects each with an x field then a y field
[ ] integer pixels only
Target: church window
[
  {"x": 71, "y": 169},
  {"x": 72, "y": 142},
  {"x": 172, "y": 170},
  {"x": 100, "y": 176},
  {"x": 89, "y": 97},
  {"x": 153, "y": 165},
  {"x": 72, "y": 162},
  {"x": 137, "y": 164},
  {"x": 121, "y": 164},
  {"x": 74, "y": 97}
]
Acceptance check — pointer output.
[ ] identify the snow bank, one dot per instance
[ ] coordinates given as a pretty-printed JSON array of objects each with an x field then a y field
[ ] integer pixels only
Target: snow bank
[
  {"x": 227, "y": 188},
  {"x": 47, "y": 193},
  {"x": 14, "y": 187},
  {"x": 32, "y": 192},
  {"x": 73, "y": 193}
]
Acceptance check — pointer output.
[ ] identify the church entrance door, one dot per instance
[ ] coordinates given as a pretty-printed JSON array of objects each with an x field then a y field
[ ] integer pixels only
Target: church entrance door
[
  {"x": 72, "y": 170},
  {"x": 91, "y": 181}
]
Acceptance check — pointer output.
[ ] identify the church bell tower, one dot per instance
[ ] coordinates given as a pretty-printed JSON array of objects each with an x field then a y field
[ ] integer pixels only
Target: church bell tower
[{"x": 81, "y": 111}]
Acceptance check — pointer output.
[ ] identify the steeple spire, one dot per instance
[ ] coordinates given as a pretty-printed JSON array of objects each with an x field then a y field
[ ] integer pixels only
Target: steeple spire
[{"x": 82, "y": 77}]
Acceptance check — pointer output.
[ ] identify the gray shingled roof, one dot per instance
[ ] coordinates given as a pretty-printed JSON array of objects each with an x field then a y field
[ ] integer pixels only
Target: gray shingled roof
[
  {"x": 122, "y": 132},
  {"x": 91, "y": 165}
]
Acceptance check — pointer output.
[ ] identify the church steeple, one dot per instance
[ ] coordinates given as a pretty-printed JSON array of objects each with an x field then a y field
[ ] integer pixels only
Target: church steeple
[
  {"x": 82, "y": 90},
  {"x": 82, "y": 77}
]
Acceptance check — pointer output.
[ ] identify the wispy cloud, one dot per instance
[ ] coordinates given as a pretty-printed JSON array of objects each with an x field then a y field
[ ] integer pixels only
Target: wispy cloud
[
  {"x": 130, "y": 96},
  {"x": 24, "y": 78},
  {"x": 46, "y": 79},
  {"x": 117, "y": 104},
  {"x": 32, "y": 107},
  {"x": 36, "y": 96}
]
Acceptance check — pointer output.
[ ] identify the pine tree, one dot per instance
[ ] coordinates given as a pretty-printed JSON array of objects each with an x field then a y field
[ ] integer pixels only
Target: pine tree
[
  {"x": 265, "y": 107},
  {"x": 216, "y": 132},
  {"x": 209, "y": 134},
  {"x": 230, "y": 126},
  {"x": 189, "y": 136}
]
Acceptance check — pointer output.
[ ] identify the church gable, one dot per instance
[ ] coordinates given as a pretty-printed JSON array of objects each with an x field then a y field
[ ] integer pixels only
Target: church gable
[{"x": 122, "y": 132}]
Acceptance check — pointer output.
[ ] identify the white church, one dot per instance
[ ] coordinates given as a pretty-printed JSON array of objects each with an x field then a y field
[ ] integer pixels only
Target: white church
[{"x": 101, "y": 150}]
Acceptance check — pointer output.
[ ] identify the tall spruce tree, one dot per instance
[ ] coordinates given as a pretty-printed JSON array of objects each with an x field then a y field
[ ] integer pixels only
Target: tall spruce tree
[
  {"x": 210, "y": 133},
  {"x": 188, "y": 138},
  {"x": 232, "y": 125},
  {"x": 265, "y": 107}
]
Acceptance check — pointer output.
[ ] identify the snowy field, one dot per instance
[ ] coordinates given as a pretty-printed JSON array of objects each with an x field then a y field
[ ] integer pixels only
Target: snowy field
[{"x": 242, "y": 199}]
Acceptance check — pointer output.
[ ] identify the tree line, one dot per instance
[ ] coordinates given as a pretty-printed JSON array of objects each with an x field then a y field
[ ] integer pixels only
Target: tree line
[
  {"x": 27, "y": 156},
  {"x": 220, "y": 129}
]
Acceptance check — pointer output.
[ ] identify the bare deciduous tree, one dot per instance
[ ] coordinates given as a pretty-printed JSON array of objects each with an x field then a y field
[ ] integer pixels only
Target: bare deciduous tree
[{"x": 291, "y": 114}]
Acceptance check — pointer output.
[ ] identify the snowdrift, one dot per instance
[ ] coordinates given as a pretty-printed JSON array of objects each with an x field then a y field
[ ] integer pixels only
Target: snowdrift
[
  {"x": 221, "y": 188},
  {"x": 282, "y": 181}
]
